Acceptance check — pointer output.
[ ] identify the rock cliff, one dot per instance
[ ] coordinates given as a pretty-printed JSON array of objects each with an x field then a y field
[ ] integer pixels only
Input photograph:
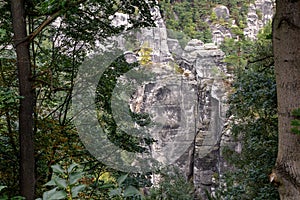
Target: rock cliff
[
  {"x": 194, "y": 108},
  {"x": 259, "y": 14},
  {"x": 194, "y": 104}
]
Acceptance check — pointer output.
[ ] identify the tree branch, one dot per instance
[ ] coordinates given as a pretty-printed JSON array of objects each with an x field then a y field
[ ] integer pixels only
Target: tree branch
[
  {"x": 43, "y": 25},
  {"x": 260, "y": 59},
  {"x": 50, "y": 19}
]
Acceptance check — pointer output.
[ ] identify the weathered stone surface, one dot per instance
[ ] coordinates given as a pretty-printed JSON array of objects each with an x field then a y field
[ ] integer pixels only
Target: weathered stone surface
[
  {"x": 174, "y": 47},
  {"x": 219, "y": 33},
  {"x": 221, "y": 12},
  {"x": 195, "y": 110},
  {"x": 259, "y": 14},
  {"x": 203, "y": 162}
]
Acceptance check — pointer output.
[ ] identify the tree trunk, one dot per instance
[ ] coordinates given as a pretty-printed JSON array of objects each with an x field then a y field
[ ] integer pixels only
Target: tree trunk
[
  {"x": 27, "y": 164},
  {"x": 286, "y": 42}
]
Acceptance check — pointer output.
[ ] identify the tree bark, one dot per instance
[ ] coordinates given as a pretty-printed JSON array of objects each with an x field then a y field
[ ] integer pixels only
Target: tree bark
[
  {"x": 286, "y": 43},
  {"x": 27, "y": 163}
]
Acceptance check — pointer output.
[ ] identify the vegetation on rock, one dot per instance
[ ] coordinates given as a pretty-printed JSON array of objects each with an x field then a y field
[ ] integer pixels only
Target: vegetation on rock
[{"x": 253, "y": 120}]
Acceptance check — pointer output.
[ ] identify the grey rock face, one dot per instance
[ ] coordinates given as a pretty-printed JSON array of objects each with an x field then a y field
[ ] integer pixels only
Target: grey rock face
[
  {"x": 194, "y": 111},
  {"x": 221, "y": 12},
  {"x": 259, "y": 14},
  {"x": 220, "y": 32},
  {"x": 188, "y": 98},
  {"x": 210, "y": 74}
]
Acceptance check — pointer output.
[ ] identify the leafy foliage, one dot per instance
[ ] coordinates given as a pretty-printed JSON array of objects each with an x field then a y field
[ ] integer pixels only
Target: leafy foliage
[
  {"x": 104, "y": 92},
  {"x": 9, "y": 102},
  {"x": 66, "y": 183},
  {"x": 194, "y": 18},
  {"x": 172, "y": 185},
  {"x": 253, "y": 111},
  {"x": 124, "y": 191},
  {"x": 188, "y": 17},
  {"x": 109, "y": 184},
  {"x": 5, "y": 197},
  {"x": 56, "y": 50},
  {"x": 56, "y": 53}
]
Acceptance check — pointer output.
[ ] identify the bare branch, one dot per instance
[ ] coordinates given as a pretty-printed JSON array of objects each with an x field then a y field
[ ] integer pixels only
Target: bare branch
[
  {"x": 260, "y": 59},
  {"x": 51, "y": 18},
  {"x": 43, "y": 25}
]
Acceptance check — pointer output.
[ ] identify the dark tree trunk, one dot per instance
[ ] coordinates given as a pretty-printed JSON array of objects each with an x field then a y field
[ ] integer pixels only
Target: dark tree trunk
[
  {"x": 27, "y": 164},
  {"x": 286, "y": 41}
]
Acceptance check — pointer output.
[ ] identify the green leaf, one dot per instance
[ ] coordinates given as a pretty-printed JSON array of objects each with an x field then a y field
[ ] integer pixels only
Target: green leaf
[
  {"x": 121, "y": 179},
  {"x": 2, "y": 187},
  {"x": 106, "y": 186},
  {"x": 115, "y": 192},
  {"x": 58, "y": 169},
  {"x": 71, "y": 167},
  {"x": 74, "y": 177},
  {"x": 295, "y": 122},
  {"x": 131, "y": 191},
  {"x": 296, "y": 112},
  {"x": 2, "y": 32},
  {"x": 295, "y": 126},
  {"x": 54, "y": 194},
  {"x": 75, "y": 190},
  {"x": 60, "y": 182},
  {"x": 18, "y": 198},
  {"x": 4, "y": 197},
  {"x": 295, "y": 131},
  {"x": 50, "y": 183}
]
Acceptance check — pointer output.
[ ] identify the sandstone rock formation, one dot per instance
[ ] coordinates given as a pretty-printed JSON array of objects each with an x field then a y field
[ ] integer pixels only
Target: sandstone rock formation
[
  {"x": 259, "y": 14},
  {"x": 196, "y": 109},
  {"x": 189, "y": 93},
  {"x": 220, "y": 31},
  {"x": 203, "y": 162},
  {"x": 189, "y": 96},
  {"x": 221, "y": 12}
]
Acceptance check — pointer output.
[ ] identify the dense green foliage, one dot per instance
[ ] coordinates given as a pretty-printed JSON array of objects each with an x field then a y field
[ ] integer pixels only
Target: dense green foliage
[
  {"x": 194, "y": 18},
  {"x": 182, "y": 16},
  {"x": 253, "y": 115},
  {"x": 107, "y": 84},
  {"x": 173, "y": 185},
  {"x": 296, "y": 122},
  {"x": 56, "y": 53},
  {"x": 65, "y": 182}
]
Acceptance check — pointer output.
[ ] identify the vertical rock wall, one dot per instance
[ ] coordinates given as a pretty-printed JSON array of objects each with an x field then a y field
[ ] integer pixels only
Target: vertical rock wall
[
  {"x": 259, "y": 14},
  {"x": 202, "y": 69},
  {"x": 196, "y": 111},
  {"x": 203, "y": 163}
]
